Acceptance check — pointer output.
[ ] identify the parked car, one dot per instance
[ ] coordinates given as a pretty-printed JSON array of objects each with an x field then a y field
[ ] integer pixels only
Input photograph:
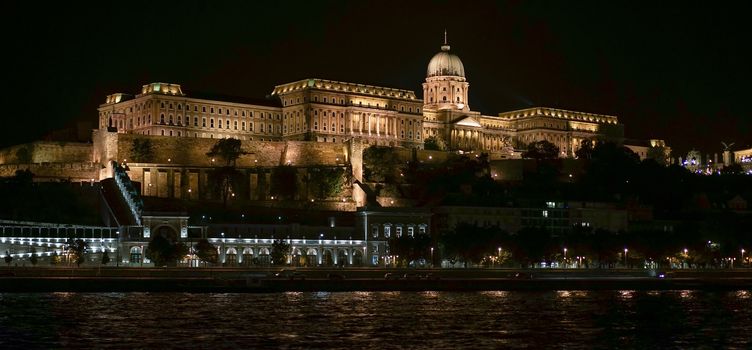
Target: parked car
[
  {"x": 335, "y": 276},
  {"x": 411, "y": 276},
  {"x": 391, "y": 276},
  {"x": 290, "y": 274},
  {"x": 522, "y": 276}
]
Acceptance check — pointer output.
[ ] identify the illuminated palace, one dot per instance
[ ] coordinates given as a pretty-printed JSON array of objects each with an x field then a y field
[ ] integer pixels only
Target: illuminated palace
[{"x": 332, "y": 111}]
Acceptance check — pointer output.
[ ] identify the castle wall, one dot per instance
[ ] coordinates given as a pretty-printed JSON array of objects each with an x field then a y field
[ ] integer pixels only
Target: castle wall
[
  {"x": 75, "y": 172},
  {"x": 192, "y": 151},
  {"x": 46, "y": 152}
]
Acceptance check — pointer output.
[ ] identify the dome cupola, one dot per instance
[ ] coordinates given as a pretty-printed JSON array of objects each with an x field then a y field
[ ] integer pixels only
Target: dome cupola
[{"x": 445, "y": 63}]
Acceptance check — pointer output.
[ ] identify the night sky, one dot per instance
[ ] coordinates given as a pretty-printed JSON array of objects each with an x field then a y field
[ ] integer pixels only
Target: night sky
[{"x": 676, "y": 70}]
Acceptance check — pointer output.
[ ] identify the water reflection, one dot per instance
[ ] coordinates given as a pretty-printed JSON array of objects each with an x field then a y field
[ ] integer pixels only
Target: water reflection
[{"x": 354, "y": 320}]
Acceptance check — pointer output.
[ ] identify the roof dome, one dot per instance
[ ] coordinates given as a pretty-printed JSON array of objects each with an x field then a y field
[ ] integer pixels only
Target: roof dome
[{"x": 445, "y": 63}]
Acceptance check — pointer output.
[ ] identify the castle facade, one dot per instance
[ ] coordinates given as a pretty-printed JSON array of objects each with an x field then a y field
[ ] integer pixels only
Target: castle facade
[{"x": 331, "y": 111}]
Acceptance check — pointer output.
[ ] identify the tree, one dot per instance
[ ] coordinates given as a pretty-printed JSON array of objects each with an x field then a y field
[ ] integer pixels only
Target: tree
[
  {"x": 284, "y": 182},
  {"x": 23, "y": 155},
  {"x": 33, "y": 258},
  {"x": 142, "y": 151},
  {"x": 228, "y": 150},
  {"x": 471, "y": 243},
  {"x": 541, "y": 150},
  {"x": 206, "y": 251},
  {"x": 586, "y": 150},
  {"x": 77, "y": 249},
  {"x": 279, "y": 253},
  {"x": 408, "y": 248},
  {"x": 733, "y": 169},
  {"x": 105, "y": 257},
  {"x": 164, "y": 251},
  {"x": 8, "y": 258},
  {"x": 225, "y": 177},
  {"x": 326, "y": 182},
  {"x": 658, "y": 154},
  {"x": 433, "y": 143},
  {"x": 380, "y": 164}
]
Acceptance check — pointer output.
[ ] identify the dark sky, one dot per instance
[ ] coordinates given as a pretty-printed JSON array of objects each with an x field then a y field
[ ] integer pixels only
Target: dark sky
[{"x": 677, "y": 70}]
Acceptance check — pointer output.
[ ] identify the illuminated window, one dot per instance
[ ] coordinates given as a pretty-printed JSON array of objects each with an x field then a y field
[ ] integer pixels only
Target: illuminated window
[
  {"x": 135, "y": 255},
  {"x": 375, "y": 231},
  {"x": 399, "y": 231},
  {"x": 387, "y": 231}
]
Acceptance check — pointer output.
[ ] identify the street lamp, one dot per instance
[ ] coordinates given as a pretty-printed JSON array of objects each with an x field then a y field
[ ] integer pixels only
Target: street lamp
[
  {"x": 565, "y": 257},
  {"x": 625, "y": 256},
  {"x": 431, "y": 256},
  {"x": 498, "y": 256},
  {"x": 742, "y": 263}
]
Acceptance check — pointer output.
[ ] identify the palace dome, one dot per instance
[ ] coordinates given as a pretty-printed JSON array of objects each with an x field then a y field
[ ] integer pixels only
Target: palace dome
[{"x": 445, "y": 64}]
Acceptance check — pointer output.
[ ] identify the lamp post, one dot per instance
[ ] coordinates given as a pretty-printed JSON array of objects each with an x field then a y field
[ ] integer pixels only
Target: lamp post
[
  {"x": 742, "y": 262},
  {"x": 498, "y": 256},
  {"x": 431, "y": 256},
  {"x": 685, "y": 258},
  {"x": 625, "y": 256},
  {"x": 565, "y": 257}
]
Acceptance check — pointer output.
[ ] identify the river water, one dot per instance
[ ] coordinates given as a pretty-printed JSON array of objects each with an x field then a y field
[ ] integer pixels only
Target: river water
[{"x": 375, "y": 320}]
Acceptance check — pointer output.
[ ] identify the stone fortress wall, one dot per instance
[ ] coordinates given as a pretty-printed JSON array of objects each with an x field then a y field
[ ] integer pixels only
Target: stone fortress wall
[{"x": 46, "y": 152}]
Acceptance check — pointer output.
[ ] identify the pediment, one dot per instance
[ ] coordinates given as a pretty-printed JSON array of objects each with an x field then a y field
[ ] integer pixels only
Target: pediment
[{"x": 467, "y": 121}]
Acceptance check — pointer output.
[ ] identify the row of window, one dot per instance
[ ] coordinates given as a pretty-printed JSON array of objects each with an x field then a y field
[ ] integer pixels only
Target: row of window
[
  {"x": 289, "y": 101},
  {"x": 387, "y": 229}
]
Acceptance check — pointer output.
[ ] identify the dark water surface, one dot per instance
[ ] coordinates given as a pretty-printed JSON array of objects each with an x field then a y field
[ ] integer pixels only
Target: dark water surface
[{"x": 359, "y": 320}]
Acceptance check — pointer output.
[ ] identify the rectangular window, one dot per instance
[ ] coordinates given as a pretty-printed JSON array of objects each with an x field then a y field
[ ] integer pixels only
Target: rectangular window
[
  {"x": 375, "y": 231},
  {"x": 399, "y": 231},
  {"x": 387, "y": 231},
  {"x": 411, "y": 231}
]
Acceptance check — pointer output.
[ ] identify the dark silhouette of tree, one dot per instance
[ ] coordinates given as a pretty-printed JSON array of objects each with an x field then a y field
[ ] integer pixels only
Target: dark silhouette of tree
[
  {"x": 77, "y": 249},
  {"x": 227, "y": 150},
  {"x": 225, "y": 177},
  {"x": 284, "y": 182},
  {"x": 8, "y": 258},
  {"x": 164, "y": 251},
  {"x": 408, "y": 248},
  {"x": 432, "y": 143},
  {"x": 206, "y": 251},
  {"x": 381, "y": 164},
  {"x": 23, "y": 155},
  {"x": 657, "y": 154},
  {"x": 470, "y": 243},
  {"x": 279, "y": 253},
  {"x": 586, "y": 149},
  {"x": 541, "y": 150},
  {"x": 325, "y": 182},
  {"x": 33, "y": 259},
  {"x": 142, "y": 151},
  {"x": 105, "y": 257},
  {"x": 733, "y": 169}
]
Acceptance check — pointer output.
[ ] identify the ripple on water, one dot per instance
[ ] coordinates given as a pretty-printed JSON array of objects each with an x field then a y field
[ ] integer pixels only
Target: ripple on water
[{"x": 439, "y": 320}]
